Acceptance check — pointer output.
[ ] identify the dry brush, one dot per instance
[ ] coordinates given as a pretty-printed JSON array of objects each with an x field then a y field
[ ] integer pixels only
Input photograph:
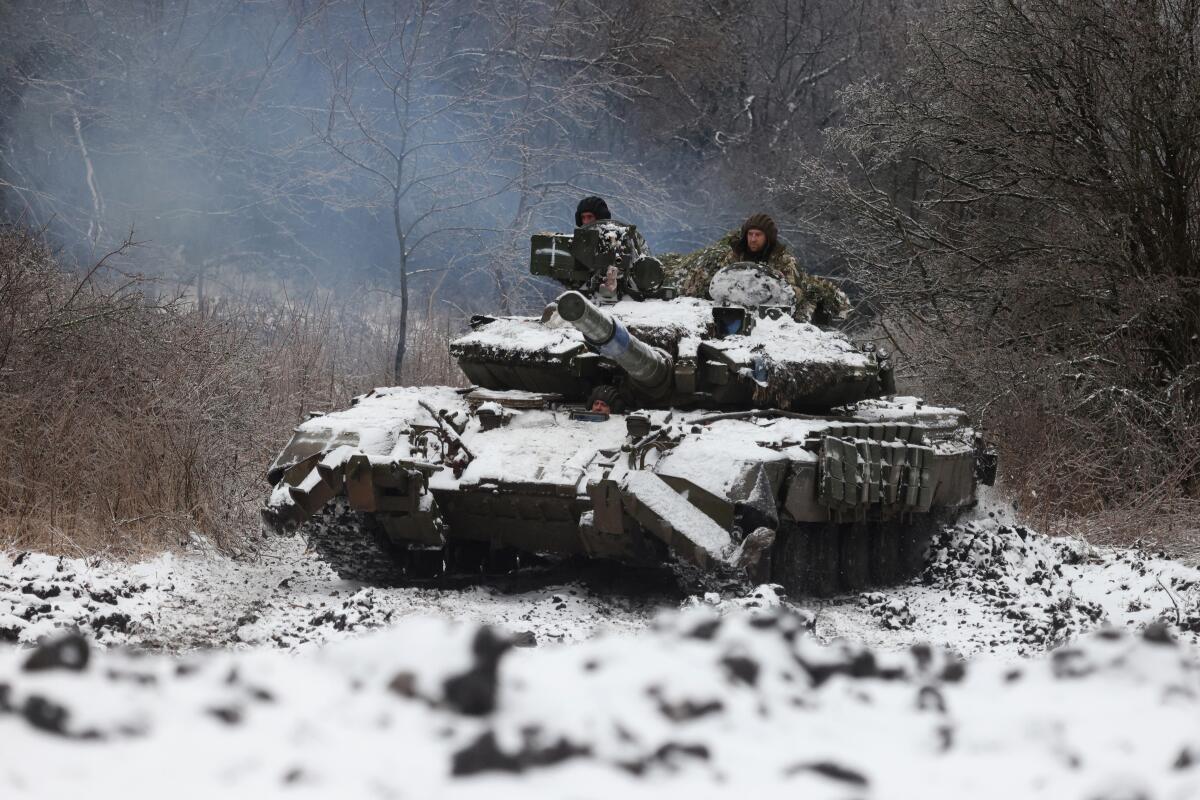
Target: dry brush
[{"x": 129, "y": 420}]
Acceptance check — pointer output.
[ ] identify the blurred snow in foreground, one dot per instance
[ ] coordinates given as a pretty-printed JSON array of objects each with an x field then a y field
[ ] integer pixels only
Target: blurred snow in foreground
[
  {"x": 1080, "y": 681},
  {"x": 696, "y": 705}
]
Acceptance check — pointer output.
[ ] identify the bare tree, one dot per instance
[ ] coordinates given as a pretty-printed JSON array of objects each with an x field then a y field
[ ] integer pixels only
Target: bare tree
[
  {"x": 739, "y": 90},
  {"x": 1023, "y": 204},
  {"x": 411, "y": 91},
  {"x": 152, "y": 113},
  {"x": 194, "y": 121},
  {"x": 563, "y": 68}
]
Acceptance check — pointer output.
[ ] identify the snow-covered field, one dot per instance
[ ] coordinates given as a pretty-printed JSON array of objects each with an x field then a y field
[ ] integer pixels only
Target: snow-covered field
[{"x": 1018, "y": 666}]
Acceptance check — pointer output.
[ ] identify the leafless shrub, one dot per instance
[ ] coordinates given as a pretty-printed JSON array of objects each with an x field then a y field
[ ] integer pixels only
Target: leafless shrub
[
  {"x": 1020, "y": 209},
  {"x": 127, "y": 421}
]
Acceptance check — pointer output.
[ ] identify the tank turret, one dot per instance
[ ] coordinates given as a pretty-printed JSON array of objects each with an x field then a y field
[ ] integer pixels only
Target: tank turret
[{"x": 653, "y": 349}]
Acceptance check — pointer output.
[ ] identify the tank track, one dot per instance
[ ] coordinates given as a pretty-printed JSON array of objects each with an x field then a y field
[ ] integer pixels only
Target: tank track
[
  {"x": 808, "y": 559},
  {"x": 826, "y": 559},
  {"x": 353, "y": 545},
  {"x": 357, "y": 548}
]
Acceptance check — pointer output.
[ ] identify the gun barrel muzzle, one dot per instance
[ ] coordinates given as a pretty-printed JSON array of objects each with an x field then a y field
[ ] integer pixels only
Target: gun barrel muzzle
[{"x": 594, "y": 324}]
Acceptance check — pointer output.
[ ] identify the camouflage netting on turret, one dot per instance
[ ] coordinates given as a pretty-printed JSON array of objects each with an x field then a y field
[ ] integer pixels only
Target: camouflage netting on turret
[
  {"x": 518, "y": 339},
  {"x": 692, "y": 271},
  {"x": 803, "y": 367},
  {"x": 817, "y": 299},
  {"x": 820, "y": 300}
]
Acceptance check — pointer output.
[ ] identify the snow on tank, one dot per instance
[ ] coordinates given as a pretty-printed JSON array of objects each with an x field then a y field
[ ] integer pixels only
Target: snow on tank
[{"x": 628, "y": 423}]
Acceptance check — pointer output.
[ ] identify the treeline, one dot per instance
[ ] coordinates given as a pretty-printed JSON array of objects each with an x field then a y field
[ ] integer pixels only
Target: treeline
[
  {"x": 1021, "y": 209},
  {"x": 361, "y": 140},
  {"x": 411, "y": 145},
  {"x": 1007, "y": 188}
]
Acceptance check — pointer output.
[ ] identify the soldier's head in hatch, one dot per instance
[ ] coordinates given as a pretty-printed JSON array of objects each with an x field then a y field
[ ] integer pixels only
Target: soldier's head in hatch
[
  {"x": 759, "y": 236},
  {"x": 591, "y": 209}
]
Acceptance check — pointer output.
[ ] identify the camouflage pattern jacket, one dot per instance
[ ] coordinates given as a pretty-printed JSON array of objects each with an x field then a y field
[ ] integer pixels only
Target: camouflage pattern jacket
[{"x": 817, "y": 299}]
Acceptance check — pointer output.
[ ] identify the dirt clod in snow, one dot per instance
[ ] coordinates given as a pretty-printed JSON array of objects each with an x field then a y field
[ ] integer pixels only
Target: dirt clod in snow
[
  {"x": 68, "y": 651},
  {"x": 994, "y": 587},
  {"x": 987, "y": 587},
  {"x": 661, "y": 713},
  {"x": 1010, "y": 668},
  {"x": 579, "y": 683},
  {"x": 474, "y": 691},
  {"x": 892, "y": 613}
]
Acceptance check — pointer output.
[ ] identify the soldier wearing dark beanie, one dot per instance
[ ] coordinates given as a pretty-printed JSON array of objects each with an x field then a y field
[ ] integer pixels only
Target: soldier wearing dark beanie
[{"x": 595, "y": 207}]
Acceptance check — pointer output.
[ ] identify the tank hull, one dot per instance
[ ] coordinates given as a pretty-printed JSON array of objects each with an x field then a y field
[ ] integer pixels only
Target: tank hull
[{"x": 445, "y": 479}]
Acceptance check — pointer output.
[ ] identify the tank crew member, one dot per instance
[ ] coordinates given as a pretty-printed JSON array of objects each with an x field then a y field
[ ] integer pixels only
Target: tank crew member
[
  {"x": 760, "y": 243},
  {"x": 817, "y": 299},
  {"x": 591, "y": 209},
  {"x": 594, "y": 209}
]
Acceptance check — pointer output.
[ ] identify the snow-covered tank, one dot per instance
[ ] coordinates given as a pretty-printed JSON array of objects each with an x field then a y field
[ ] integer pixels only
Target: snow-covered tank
[{"x": 630, "y": 423}]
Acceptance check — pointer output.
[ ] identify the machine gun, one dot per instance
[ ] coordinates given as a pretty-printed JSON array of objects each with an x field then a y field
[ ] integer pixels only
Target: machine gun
[{"x": 603, "y": 260}]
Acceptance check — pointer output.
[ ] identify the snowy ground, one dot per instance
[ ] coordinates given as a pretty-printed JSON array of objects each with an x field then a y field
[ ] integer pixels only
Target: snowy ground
[{"x": 197, "y": 674}]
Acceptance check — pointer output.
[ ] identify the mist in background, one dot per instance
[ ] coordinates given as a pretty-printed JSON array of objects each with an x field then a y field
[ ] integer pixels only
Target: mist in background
[{"x": 409, "y": 146}]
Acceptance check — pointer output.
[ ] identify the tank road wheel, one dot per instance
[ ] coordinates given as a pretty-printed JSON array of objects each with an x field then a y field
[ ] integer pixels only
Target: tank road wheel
[
  {"x": 354, "y": 545},
  {"x": 466, "y": 557},
  {"x": 503, "y": 560},
  {"x": 854, "y": 555},
  {"x": 417, "y": 561},
  {"x": 885, "y": 553},
  {"x": 479, "y": 558}
]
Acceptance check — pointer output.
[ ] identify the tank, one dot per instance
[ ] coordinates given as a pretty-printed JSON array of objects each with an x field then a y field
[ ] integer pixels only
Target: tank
[{"x": 721, "y": 436}]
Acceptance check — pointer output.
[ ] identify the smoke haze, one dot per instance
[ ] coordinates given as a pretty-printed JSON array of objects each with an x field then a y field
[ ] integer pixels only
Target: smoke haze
[{"x": 337, "y": 142}]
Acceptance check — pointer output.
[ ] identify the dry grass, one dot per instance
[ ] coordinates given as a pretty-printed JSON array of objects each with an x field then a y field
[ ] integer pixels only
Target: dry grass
[
  {"x": 1074, "y": 476},
  {"x": 128, "y": 420}
]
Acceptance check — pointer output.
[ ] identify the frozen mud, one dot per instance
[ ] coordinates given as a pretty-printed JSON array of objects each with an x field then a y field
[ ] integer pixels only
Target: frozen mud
[
  {"x": 1015, "y": 666},
  {"x": 284, "y": 596},
  {"x": 988, "y": 587},
  {"x": 696, "y": 705}
]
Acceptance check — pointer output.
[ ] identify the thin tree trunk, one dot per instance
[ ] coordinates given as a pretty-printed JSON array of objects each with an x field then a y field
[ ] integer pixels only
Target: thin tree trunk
[{"x": 401, "y": 239}]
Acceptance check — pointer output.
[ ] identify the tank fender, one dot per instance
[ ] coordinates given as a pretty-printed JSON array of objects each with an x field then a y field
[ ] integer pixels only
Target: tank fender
[
  {"x": 304, "y": 446},
  {"x": 302, "y": 490}
]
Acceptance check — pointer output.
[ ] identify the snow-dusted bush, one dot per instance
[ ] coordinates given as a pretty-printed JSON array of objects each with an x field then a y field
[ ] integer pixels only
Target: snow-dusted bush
[{"x": 1019, "y": 209}]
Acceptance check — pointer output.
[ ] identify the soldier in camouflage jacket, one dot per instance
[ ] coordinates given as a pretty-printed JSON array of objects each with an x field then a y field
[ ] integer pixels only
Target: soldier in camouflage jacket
[{"x": 758, "y": 241}]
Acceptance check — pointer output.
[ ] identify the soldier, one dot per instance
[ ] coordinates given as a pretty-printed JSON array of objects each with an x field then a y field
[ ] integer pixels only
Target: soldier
[
  {"x": 594, "y": 209},
  {"x": 817, "y": 299},
  {"x": 591, "y": 209},
  {"x": 760, "y": 244}
]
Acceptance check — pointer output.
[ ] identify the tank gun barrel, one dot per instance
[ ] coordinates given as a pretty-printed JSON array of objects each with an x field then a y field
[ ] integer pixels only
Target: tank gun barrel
[{"x": 649, "y": 369}]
